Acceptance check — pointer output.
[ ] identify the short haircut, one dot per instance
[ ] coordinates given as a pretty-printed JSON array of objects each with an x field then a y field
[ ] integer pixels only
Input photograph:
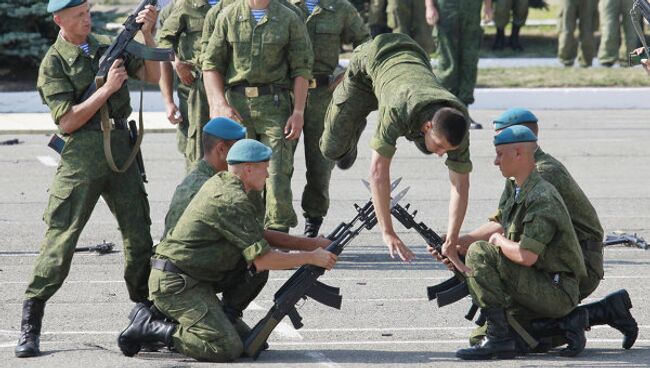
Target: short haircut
[
  {"x": 209, "y": 142},
  {"x": 450, "y": 124}
]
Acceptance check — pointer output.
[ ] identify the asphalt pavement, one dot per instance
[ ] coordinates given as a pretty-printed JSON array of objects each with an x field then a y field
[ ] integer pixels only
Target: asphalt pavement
[{"x": 385, "y": 319}]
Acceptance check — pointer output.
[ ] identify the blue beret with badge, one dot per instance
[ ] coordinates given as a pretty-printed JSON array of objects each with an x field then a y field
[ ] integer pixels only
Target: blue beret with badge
[
  {"x": 225, "y": 128},
  {"x": 54, "y": 6},
  {"x": 514, "y": 134},
  {"x": 514, "y": 116},
  {"x": 248, "y": 150}
]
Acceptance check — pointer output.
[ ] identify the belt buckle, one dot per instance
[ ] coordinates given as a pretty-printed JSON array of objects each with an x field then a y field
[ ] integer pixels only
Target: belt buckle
[
  {"x": 251, "y": 92},
  {"x": 312, "y": 84}
]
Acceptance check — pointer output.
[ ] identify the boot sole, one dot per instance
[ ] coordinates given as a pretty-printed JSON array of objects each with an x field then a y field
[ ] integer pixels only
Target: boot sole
[
  {"x": 501, "y": 355},
  {"x": 27, "y": 354}
]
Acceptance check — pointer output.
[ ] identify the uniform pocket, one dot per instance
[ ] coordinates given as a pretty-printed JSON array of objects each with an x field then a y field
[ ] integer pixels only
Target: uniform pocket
[
  {"x": 172, "y": 283},
  {"x": 59, "y": 206}
]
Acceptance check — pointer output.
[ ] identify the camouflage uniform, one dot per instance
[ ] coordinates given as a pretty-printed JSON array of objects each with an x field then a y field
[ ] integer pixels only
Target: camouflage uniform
[
  {"x": 216, "y": 237},
  {"x": 572, "y": 11},
  {"x": 271, "y": 54},
  {"x": 614, "y": 15},
  {"x": 538, "y": 219},
  {"x": 459, "y": 41},
  {"x": 391, "y": 73},
  {"x": 182, "y": 32},
  {"x": 332, "y": 23},
  {"x": 409, "y": 17},
  {"x": 502, "y": 10},
  {"x": 83, "y": 173},
  {"x": 377, "y": 18}
]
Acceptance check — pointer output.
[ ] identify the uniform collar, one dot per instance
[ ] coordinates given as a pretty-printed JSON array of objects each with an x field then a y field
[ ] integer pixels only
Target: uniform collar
[
  {"x": 328, "y": 5},
  {"x": 271, "y": 12},
  {"x": 539, "y": 153},
  {"x": 70, "y": 52},
  {"x": 204, "y": 166},
  {"x": 529, "y": 184}
]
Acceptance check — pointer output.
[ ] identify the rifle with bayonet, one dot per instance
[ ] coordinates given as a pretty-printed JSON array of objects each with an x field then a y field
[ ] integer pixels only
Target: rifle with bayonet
[
  {"x": 101, "y": 248},
  {"x": 304, "y": 282}
]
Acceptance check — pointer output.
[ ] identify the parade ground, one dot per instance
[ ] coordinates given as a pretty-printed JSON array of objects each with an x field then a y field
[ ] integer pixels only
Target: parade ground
[{"x": 385, "y": 319}]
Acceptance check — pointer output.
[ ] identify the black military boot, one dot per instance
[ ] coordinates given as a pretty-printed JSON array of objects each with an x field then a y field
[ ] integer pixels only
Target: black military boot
[
  {"x": 572, "y": 327},
  {"x": 499, "y": 40},
  {"x": 30, "y": 329},
  {"x": 348, "y": 159},
  {"x": 614, "y": 310},
  {"x": 498, "y": 342},
  {"x": 143, "y": 329},
  {"x": 514, "y": 39},
  {"x": 156, "y": 315},
  {"x": 312, "y": 225}
]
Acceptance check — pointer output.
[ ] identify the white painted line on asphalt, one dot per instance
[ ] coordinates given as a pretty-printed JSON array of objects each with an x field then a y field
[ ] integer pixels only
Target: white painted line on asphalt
[
  {"x": 48, "y": 161},
  {"x": 414, "y": 342},
  {"x": 321, "y": 359}
]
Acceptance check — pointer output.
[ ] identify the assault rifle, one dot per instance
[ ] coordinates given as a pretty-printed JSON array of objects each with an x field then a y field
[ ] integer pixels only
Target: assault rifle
[
  {"x": 102, "y": 248},
  {"x": 627, "y": 239},
  {"x": 304, "y": 282}
]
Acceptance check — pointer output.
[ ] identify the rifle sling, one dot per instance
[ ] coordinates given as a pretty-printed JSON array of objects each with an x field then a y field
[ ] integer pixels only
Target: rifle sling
[{"x": 107, "y": 127}]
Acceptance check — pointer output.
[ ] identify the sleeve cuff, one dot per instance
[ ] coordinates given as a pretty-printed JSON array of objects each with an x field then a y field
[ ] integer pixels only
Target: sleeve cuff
[
  {"x": 305, "y": 73},
  {"x": 382, "y": 148},
  {"x": 532, "y": 245},
  {"x": 255, "y": 250},
  {"x": 459, "y": 167}
]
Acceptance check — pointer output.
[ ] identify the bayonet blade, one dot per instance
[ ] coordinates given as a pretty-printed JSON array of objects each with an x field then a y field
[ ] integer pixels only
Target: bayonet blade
[
  {"x": 393, "y": 185},
  {"x": 398, "y": 197}
]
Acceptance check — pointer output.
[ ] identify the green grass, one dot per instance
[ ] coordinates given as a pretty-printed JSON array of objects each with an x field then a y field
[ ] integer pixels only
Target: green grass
[{"x": 545, "y": 77}]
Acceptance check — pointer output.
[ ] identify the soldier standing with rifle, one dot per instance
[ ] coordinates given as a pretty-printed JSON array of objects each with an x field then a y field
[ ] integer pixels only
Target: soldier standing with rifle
[{"x": 83, "y": 174}]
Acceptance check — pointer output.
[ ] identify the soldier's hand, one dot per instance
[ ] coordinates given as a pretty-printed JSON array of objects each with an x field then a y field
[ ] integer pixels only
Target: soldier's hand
[
  {"x": 322, "y": 241},
  {"x": 294, "y": 126},
  {"x": 173, "y": 114},
  {"x": 432, "y": 16},
  {"x": 495, "y": 238},
  {"x": 646, "y": 65},
  {"x": 225, "y": 110},
  {"x": 323, "y": 258},
  {"x": 184, "y": 71},
  {"x": 395, "y": 245},
  {"x": 147, "y": 17},
  {"x": 450, "y": 250},
  {"x": 116, "y": 76}
]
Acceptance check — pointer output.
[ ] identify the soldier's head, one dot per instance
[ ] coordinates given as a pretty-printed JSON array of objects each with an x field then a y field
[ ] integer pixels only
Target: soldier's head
[
  {"x": 249, "y": 160},
  {"x": 444, "y": 131},
  {"x": 515, "y": 151},
  {"x": 72, "y": 16},
  {"x": 516, "y": 116},
  {"x": 219, "y": 134}
]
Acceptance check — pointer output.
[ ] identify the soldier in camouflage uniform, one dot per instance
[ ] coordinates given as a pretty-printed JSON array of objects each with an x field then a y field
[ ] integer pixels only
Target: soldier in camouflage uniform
[
  {"x": 408, "y": 17},
  {"x": 614, "y": 16},
  {"x": 393, "y": 74},
  {"x": 502, "y": 11},
  {"x": 216, "y": 246},
  {"x": 181, "y": 31},
  {"x": 83, "y": 174},
  {"x": 377, "y": 21},
  {"x": 258, "y": 63},
  {"x": 531, "y": 265},
  {"x": 458, "y": 23},
  {"x": 574, "y": 13},
  {"x": 330, "y": 24}
]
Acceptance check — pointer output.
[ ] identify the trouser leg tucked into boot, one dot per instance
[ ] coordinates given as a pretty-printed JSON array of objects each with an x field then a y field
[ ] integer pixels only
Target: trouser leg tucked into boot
[
  {"x": 143, "y": 329},
  {"x": 614, "y": 310},
  {"x": 514, "y": 39},
  {"x": 498, "y": 342},
  {"x": 572, "y": 327},
  {"x": 499, "y": 40},
  {"x": 30, "y": 329},
  {"x": 312, "y": 226}
]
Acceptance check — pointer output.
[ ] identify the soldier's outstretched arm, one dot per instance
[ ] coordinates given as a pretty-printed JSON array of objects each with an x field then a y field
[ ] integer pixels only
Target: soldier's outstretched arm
[
  {"x": 215, "y": 91},
  {"x": 151, "y": 70},
  {"x": 278, "y": 239},
  {"x": 458, "y": 198},
  {"x": 275, "y": 260}
]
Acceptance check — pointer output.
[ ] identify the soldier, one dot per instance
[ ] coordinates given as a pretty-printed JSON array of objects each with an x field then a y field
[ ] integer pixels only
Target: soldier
[
  {"x": 532, "y": 270},
  {"x": 181, "y": 31},
  {"x": 408, "y": 17},
  {"x": 83, "y": 174},
  {"x": 393, "y": 73},
  {"x": 502, "y": 11},
  {"x": 614, "y": 15},
  {"x": 258, "y": 51},
  {"x": 614, "y": 308},
  {"x": 216, "y": 246},
  {"x": 572, "y": 11},
  {"x": 219, "y": 134},
  {"x": 459, "y": 39},
  {"x": 377, "y": 18},
  {"x": 330, "y": 24}
]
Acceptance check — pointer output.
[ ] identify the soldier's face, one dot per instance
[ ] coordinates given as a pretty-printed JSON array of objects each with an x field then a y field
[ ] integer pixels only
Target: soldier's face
[
  {"x": 257, "y": 174},
  {"x": 74, "y": 21},
  {"x": 436, "y": 144},
  {"x": 505, "y": 159}
]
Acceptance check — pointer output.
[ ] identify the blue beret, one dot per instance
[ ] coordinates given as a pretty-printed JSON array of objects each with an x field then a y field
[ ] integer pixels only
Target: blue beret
[
  {"x": 224, "y": 128},
  {"x": 54, "y": 6},
  {"x": 514, "y": 134},
  {"x": 514, "y": 116},
  {"x": 248, "y": 150}
]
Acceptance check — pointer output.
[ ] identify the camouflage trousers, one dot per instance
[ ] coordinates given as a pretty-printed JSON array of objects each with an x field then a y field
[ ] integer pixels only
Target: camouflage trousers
[
  {"x": 182, "y": 91},
  {"x": 502, "y": 9},
  {"x": 315, "y": 196},
  {"x": 204, "y": 331},
  {"x": 409, "y": 17},
  {"x": 614, "y": 17},
  {"x": 459, "y": 41},
  {"x": 576, "y": 13},
  {"x": 81, "y": 177},
  {"x": 265, "y": 118},
  {"x": 198, "y": 114},
  {"x": 595, "y": 272}
]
